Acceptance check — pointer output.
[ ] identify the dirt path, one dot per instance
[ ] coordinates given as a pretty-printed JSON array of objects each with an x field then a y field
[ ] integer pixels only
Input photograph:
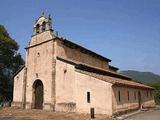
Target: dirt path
[
  {"x": 18, "y": 114},
  {"x": 150, "y": 115}
]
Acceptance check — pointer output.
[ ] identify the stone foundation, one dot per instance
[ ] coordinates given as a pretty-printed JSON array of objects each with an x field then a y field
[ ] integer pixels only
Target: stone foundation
[
  {"x": 17, "y": 104},
  {"x": 149, "y": 104},
  {"x": 29, "y": 105},
  {"x": 125, "y": 111},
  {"x": 48, "y": 106},
  {"x": 66, "y": 107}
]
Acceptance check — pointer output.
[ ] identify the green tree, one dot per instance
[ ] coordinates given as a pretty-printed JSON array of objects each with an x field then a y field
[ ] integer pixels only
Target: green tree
[
  {"x": 10, "y": 61},
  {"x": 156, "y": 92}
]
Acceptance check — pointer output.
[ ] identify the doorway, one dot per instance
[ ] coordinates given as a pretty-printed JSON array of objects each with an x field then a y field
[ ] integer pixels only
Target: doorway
[
  {"x": 38, "y": 94},
  {"x": 139, "y": 99}
]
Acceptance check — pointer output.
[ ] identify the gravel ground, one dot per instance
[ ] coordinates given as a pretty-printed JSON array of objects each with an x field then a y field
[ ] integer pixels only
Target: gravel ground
[{"x": 18, "y": 114}]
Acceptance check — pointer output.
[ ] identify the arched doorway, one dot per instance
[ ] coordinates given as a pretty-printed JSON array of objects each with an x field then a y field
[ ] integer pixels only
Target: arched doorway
[{"x": 38, "y": 94}]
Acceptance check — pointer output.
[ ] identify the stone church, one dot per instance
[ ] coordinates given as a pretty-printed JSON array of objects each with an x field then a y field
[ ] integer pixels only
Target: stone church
[{"x": 60, "y": 75}]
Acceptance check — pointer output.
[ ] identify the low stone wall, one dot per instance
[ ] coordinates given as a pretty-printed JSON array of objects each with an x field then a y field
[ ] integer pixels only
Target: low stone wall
[
  {"x": 124, "y": 111},
  {"x": 149, "y": 104}
]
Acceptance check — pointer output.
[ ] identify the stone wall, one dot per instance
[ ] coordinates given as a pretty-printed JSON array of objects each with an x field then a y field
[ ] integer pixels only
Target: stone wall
[
  {"x": 124, "y": 104},
  {"x": 148, "y": 100},
  {"x": 79, "y": 55},
  {"x": 41, "y": 37}
]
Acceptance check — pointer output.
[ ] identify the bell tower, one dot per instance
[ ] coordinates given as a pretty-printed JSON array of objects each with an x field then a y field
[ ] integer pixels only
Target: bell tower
[
  {"x": 42, "y": 24},
  {"x": 42, "y": 30},
  {"x": 40, "y": 65}
]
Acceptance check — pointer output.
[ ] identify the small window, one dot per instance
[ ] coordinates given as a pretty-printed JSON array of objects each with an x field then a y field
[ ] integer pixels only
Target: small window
[
  {"x": 128, "y": 95},
  {"x": 36, "y": 75},
  {"x": 88, "y": 97},
  {"x": 65, "y": 71},
  {"x": 119, "y": 96},
  {"x": 151, "y": 93},
  {"x": 135, "y": 97},
  {"x": 17, "y": 77},
  {"x": 38, "y": 54},
  {"x": 147, "y": 93}
]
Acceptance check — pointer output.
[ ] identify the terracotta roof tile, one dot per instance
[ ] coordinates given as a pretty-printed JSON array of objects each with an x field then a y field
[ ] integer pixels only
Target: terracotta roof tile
[
  {"x": 86, "y": 69},
  {"x": 115, "y": 81}
]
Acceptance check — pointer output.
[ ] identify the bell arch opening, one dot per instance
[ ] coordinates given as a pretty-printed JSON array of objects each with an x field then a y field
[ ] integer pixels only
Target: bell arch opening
[
  {"x": 38, "y": 94},
  {"x": 37, "y": 28},
  {"x": 43, "y": 26}
]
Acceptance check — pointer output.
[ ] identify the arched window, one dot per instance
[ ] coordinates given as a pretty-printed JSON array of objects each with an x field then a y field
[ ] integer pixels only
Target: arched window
[
  {"x": 37, "y": 28},
  {"x": 43, "y": 26}
]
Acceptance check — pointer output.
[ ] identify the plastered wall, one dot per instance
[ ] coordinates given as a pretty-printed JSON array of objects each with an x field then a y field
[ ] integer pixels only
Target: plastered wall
[
  {"x": 18, "y": 86},
  {"x": 100, "y": 94},
  {"x": 65, "y": 86},
  {"x": 40, "y": 67},
  {"x": 72, "y": 87}
]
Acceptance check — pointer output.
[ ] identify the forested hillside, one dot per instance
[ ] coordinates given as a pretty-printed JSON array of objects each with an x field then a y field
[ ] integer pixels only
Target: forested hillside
[{"x": 144, "y": 77}]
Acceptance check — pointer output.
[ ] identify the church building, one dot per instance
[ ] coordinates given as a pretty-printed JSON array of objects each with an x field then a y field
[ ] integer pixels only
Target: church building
[{"x": 60, "y": 75}]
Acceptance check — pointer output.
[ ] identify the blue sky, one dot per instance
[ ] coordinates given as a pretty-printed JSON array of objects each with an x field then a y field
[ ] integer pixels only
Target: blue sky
[{"x": 126, "y": 31}]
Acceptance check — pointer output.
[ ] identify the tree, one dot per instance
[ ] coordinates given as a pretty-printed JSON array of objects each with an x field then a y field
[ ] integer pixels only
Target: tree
[
  {"x": 156, "y": 92},
  {"x": 10, "y": 61}
]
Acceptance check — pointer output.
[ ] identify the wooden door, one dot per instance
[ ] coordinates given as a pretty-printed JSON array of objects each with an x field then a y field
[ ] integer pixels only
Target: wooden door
[
  {"x": 38, "y": 95},
  {"x": 139, "y": 99}
]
